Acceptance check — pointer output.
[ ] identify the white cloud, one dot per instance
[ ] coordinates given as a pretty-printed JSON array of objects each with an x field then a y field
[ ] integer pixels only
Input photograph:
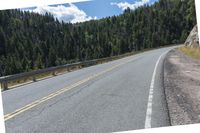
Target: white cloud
[
  {"x": 125, "y": 5},
  {"x": 12, "y": 4},
  {"x": 63, "y": 13}
]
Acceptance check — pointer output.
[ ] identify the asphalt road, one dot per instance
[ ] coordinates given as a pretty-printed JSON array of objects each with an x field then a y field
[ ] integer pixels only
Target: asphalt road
[{"x": 110, "y": 97}]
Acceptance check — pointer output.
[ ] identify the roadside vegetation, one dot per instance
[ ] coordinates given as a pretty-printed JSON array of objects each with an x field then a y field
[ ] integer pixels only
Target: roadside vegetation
[{"x": 192, "y": 52}]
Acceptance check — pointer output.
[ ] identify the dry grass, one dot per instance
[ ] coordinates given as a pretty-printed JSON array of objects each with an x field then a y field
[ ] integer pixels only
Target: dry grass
[
  {"x": 192, "y": 52},
  {"x": 27, "y": 80},
  {"x": 19, "y": 82}
]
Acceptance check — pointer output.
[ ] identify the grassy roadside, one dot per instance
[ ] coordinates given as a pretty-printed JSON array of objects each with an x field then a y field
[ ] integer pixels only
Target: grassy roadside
[
  {"x": 28, "y": 80},
  {"x": 192, "y": 52}
]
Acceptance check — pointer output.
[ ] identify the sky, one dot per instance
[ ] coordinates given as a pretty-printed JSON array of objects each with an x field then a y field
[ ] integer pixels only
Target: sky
[{"x": 89, "y": 9}]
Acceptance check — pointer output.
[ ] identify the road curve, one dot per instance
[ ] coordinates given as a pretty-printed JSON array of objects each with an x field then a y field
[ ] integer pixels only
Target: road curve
[{"x": 110, "y": 97}]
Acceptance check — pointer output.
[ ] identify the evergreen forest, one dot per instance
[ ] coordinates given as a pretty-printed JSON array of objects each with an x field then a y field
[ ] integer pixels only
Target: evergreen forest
[{"x": 30, "y": 41}]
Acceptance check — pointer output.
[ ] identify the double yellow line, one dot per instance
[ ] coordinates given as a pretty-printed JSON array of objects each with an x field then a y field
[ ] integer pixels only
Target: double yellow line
[{"x": 61, "y": 91}]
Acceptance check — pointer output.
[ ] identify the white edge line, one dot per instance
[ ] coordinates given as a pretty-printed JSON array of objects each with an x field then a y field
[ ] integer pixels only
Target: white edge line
[{"x": 150, "y": 99}]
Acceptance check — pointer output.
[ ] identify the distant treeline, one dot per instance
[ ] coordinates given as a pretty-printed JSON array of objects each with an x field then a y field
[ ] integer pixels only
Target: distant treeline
[{"x": 29, "y": 41}]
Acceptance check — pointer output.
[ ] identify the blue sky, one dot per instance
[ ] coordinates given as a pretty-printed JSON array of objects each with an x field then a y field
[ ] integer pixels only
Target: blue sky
[
  {"x": 103, "y": 8},
  {"x": 87, "y": 10}
]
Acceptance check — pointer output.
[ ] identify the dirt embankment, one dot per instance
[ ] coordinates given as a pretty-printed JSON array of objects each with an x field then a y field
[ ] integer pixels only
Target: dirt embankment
[{"x": 182, "y": 88}]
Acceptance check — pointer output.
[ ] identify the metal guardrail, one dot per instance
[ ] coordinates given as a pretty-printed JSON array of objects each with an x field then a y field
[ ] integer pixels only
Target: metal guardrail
[{"x": 33, "y": 74}]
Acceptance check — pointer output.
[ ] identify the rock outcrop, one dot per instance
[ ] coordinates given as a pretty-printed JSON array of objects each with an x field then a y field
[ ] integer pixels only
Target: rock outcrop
[{"x": 193, "y": 38}]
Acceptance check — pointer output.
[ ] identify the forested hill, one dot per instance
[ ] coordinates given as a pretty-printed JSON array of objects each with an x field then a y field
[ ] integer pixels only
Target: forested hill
[{"x": 30, "y": 41}]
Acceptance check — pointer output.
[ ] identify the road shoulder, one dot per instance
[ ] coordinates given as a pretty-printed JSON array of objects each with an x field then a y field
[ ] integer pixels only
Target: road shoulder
[{"x": 182, "y": 88}]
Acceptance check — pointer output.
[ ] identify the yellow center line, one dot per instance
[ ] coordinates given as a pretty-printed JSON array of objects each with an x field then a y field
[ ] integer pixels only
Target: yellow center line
[{"x": 59, "y": 92}]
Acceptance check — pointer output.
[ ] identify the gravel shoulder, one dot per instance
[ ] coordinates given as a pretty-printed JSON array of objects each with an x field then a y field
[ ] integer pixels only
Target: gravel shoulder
[{"x": 182, "y": 88}]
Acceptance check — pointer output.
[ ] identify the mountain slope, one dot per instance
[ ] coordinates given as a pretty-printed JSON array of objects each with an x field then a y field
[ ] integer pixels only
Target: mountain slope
[{"x": 30, "y": 41}]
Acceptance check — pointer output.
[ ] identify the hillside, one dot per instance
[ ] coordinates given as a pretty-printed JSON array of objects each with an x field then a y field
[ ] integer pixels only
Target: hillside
[{"x": 30, "y": 41}]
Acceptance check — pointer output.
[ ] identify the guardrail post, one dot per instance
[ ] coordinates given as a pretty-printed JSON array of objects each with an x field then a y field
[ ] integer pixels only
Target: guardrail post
[
  {"x": 34, "y": 79},
  {"x": 4, "y": 85},
  {"x": 1, "y": 85},
  {"x": 54, "y": 73}
]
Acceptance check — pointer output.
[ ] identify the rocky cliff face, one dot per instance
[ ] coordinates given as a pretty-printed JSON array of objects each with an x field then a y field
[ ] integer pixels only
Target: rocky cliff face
[{"x": 193, "y": 38}]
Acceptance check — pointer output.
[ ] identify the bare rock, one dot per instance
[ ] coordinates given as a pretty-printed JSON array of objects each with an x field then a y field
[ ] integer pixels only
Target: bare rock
[{"x": 193, "y": 38}]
